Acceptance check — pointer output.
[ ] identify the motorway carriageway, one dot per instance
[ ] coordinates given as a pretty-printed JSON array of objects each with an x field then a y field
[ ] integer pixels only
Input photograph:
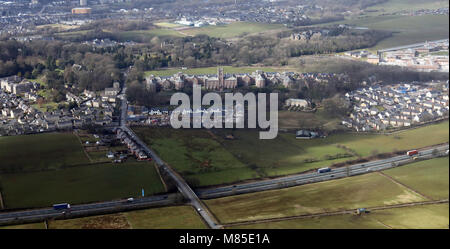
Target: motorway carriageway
[
  {"x": 84, "y": 209},
  {"x": 301, "y": 179}
]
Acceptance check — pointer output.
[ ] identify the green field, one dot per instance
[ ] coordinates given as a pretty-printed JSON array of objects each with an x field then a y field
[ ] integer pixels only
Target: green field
[
  {"x": 233, "y": 29},
  {"x": 407, "y": 29},
  {"x": 211, "y": 159},
  {"x": 368, "y": 190},
  {"x": 147, "y": 35},
  {"x": 393, "y": 6},
  {"x": 365, "y": 145},
  {"x": 177, "y": 217},
  {"x": 40, "y": 152},
  {"x": 295, "y": 120},
  {"x": 419, "y": 217},
  {"x": 430, "y": 177},
  {"x": 80, "y": 184},
  {"x": 213, "y": 70},
  {"x": 167, "y": 25},
  {"x": 194, "y": 153}
]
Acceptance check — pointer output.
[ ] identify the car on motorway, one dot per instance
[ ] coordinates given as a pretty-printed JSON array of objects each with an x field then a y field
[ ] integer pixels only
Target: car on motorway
[
  {"x": 129, "y": 200},
  {"x": 412, "y": 153},
  {"x": 323, "y": 170},
  {"x": 62, "y": 206}
]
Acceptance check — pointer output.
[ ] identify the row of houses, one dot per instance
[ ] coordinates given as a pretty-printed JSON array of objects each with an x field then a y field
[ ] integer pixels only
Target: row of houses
[
  {"x": 131, "y": 144},
  {"x": 382, "y": 107}
]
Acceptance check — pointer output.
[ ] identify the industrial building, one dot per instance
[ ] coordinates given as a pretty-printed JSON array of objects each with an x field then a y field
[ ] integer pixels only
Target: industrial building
[{"x": 80, "y": 11}]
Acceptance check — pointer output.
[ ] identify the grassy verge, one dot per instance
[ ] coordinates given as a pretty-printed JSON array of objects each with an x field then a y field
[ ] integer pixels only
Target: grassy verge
[{"x": 25, "y": 226}]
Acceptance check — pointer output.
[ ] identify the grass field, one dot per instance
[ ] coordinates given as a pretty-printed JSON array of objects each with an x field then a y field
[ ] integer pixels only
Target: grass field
[
  {"x": 40, "y": 152},
  {"x": 80, "y": 184},
  {"x": 179, "y": 217},
  {"x": 213, "y": 70},
  {"x": 393, "y": 6},
  {"x": 365, "y": 145},
  {"x": 407, "y": 29},
  {"x": 147, "y": 34},
  {"x": 59, "y": 27},
  {"x": 193, "y": 152},
  {"x": 212, "y": 159},
  {"x": 233, "y": 29},
  {"x": 169, "y": 30},
  {"x": 420, "y": 217},
  {"x": 429, "y": 177},
  {"x": 167, "y": 25},
  {"x": 349, "y": 193},
  {"x": 292, "y": 120}
]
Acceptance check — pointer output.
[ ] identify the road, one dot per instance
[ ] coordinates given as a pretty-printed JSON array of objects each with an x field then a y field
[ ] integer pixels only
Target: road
[
  {"x": 306, "y": 178},
  {"x": 181, "y": 184},
  {"x": 84, "y": 209}
]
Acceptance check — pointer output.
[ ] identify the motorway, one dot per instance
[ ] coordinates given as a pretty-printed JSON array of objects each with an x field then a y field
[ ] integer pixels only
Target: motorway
[
  {"x": 181, "y": 184},
  {"x": 83, "y": 209},
  {"x": 306, "y": 178}
]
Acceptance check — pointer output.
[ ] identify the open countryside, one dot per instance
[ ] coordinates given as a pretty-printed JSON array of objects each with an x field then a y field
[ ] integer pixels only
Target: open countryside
[
  {"x": 371, "y": 190},
  {"x": 33, "y": 176},
  {"x": 209, "y": 158},
  {"x": 86, "y": 140}
]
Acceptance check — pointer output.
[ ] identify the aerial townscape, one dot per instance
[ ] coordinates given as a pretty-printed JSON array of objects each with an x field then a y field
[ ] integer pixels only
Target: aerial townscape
[{"x": 151, "y": 114}]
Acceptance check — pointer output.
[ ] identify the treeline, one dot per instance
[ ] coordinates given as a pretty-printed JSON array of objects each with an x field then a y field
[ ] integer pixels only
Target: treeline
[
  {"x": 61, "y": 64},
  {"x": 203, "y": 51}
]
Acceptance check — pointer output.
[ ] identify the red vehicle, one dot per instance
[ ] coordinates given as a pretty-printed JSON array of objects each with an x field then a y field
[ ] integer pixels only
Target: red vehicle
[{"x": 412, "y": 152}]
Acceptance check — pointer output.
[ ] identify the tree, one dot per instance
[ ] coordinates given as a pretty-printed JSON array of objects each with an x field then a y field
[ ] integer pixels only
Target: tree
[{"x": 336, "y": 106}]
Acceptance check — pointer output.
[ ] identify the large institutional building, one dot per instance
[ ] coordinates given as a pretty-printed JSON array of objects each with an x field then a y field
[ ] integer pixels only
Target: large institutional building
[
  {"x": 222, "y": 81},
  {"x": 217, "y": 82}
]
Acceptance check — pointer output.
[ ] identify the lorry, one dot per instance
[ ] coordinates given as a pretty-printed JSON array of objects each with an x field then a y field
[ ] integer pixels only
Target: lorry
[
  {"x": 412, "y": 152},
  {"x": 323, "y": 170},
  {"x": 61, "y": 206}
]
